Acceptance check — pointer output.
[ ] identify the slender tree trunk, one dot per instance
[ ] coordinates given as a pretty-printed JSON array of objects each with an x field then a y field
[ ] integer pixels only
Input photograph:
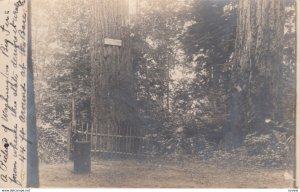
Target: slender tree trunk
[
  {"x": 168, "y": 86},
  {"x": 255, "y": 94}
]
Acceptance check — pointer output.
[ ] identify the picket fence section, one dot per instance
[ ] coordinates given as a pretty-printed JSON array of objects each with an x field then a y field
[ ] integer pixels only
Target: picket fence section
[{"x": 105, "y": 144}]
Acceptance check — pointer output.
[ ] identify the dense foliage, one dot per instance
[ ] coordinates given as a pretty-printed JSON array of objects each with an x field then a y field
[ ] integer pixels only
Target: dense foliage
[{"x": 182, "y": 56}]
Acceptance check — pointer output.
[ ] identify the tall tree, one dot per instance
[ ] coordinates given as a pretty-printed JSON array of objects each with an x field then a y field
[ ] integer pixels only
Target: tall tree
[
  {"x": 257, "y": 69},
  {"x": 209, "y": 44},
  {"x": 62, "y": 58},
  {"x": 156, "y": 44},
  {"x": 112, "y": 95}
]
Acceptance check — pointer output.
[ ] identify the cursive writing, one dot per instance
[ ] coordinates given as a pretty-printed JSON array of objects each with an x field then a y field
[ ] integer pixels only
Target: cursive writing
[{"x": 13, "y": 96}]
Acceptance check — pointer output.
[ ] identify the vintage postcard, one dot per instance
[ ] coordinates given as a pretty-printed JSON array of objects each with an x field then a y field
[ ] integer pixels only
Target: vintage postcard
[{"x": 148, "y": 94}]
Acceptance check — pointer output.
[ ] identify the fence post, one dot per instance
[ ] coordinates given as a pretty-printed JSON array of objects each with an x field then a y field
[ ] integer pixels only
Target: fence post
[
  {"x": 96, "y": 140},
  {"x": 92, "y": 139},
  {"x": 86, "y": 132},
  {"x": 69, "y": 140}
]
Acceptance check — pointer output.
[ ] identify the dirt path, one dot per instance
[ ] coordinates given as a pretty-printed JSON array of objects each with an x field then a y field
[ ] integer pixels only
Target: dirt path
[{"x": 131, "y": 173}]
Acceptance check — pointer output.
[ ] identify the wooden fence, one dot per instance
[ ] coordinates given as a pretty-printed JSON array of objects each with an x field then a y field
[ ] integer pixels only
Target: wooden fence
[{"x": 115, "y": 145}]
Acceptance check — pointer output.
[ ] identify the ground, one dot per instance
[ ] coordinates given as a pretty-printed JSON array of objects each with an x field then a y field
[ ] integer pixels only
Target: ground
[{"x": 162, "y": 173}]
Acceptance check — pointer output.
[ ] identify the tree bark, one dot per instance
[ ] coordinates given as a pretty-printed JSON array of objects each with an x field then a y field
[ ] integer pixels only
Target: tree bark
[
  {"x": 112, "y": 100},
  {"x": 257, "y": 73}
]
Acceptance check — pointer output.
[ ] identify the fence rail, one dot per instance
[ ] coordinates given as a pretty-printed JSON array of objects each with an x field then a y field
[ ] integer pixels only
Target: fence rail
[{"x": 106, "y": 143}]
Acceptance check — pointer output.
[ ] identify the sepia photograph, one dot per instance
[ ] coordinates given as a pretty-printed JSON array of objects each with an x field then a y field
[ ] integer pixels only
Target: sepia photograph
[
  {"x": 164, "y": 93},
  {"x": 157, "y": 93}
]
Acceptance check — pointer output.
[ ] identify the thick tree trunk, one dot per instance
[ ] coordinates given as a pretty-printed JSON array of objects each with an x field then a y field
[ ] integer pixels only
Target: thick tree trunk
[
  {"x": 257, "y": 69},
  {"x": 112, "y": 100}
]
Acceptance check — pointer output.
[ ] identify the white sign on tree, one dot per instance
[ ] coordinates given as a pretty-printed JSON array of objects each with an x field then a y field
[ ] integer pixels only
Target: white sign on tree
[{"x": 115, "y": 42}]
